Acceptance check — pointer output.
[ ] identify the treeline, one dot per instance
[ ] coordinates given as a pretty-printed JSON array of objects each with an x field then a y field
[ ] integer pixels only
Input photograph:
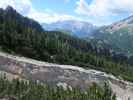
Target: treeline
[
  {"x": 27, "y": 90},
  {"x": 20, "y": 35}
]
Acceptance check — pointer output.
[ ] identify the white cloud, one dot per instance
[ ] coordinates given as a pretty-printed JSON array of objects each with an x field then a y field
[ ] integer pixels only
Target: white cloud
[
  {"x": 82, "y": 7},
  {"x": 25, "y": 7},
  {"x": 100, "y": 8},
  {"x": 97, "y": 12},
  {"x": 45, "y": 17},
  {"x": 103, "y": 10},
  {"x": 22, "y": 6}
]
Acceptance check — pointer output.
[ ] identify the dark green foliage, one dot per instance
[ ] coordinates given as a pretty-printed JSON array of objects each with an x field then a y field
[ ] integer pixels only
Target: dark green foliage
[
  {"x": 25, "y": 90},
  {"x": 23, "y": 36}
]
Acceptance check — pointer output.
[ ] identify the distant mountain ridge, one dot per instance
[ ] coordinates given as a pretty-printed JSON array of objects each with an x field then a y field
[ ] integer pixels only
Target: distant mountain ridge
[
  {"x": 76, "y": 28},
  {"x": 118, "y": 34}
]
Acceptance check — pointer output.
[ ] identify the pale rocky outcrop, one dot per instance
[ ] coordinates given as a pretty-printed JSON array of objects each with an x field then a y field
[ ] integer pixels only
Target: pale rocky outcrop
[{"x": 61, "y": 75}]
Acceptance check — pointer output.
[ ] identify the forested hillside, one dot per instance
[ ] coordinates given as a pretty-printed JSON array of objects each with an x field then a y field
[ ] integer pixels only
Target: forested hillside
[{"x": 23, "y": 36}]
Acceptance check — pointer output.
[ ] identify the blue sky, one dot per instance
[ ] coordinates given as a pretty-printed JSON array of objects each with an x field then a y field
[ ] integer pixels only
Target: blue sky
[
  {"x": 59, "y": 6},
  {"x": 98, "y": 12}
]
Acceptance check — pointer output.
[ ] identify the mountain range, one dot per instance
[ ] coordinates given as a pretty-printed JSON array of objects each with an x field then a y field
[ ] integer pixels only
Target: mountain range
[
  {"x": 118, "y": 35},
  {"x": 80, "y": 29}
]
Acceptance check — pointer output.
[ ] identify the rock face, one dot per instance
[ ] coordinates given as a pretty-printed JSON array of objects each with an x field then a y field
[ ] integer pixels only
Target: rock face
[{"x": 61, "y": 75}]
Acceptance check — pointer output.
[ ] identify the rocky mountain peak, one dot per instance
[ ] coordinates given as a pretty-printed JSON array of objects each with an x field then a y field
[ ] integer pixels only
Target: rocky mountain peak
[{"x": 11, "y": 10}]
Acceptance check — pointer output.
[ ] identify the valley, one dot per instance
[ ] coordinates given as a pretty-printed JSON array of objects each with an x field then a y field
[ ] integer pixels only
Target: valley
[{"x": 83, "y": 61}]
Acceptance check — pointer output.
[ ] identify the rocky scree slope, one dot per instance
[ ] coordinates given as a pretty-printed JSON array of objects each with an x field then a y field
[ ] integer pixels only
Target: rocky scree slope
[{"x": 61, "y": 75}]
